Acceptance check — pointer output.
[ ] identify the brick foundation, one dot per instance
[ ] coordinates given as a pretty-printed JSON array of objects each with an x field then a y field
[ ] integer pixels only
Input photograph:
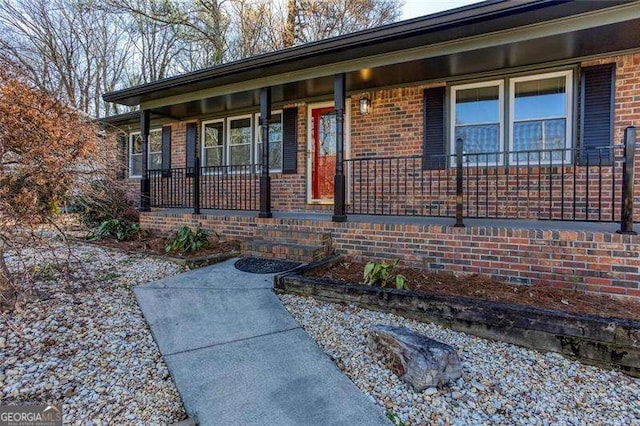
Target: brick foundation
[{"x": 599, "y": 262}]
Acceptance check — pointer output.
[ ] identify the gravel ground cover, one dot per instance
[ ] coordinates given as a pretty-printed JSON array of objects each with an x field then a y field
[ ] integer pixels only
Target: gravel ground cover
[
  {"x": 86, "y": 344},
  {"x": 501, "y": 383}
]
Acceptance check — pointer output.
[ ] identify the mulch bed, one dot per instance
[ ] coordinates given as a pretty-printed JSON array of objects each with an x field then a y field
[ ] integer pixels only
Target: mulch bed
[
  {"x": 483, "y": 287},
  {"x": 155, "y": 245}
]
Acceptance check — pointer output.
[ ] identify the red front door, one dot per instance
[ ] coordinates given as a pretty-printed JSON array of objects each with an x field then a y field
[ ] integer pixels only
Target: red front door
[{"x": 323, "y": 164}]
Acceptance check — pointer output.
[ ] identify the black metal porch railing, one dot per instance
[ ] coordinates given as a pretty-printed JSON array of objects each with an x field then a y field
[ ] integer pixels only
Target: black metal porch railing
[
  {"x": 570, "y": 184},
  {"x": 210, "y": 187},
  {"x": 171, "y": 188},
  {"x": 230, "y": 187},
  {"x": 398, "y": 186}
]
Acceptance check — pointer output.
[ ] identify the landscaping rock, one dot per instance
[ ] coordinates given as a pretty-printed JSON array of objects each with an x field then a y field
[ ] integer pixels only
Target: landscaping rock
[
  {"x": 520, "y": 386},
  {"x": 88, "y": 347},
  {"x": 418, "y": 360}
]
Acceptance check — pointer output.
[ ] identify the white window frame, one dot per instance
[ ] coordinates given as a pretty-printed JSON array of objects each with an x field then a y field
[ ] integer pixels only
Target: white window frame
[
  {"x": 228, "y": 143},
  {"x": 568, "y": 75},
  {"x": 132, "y": 135},
  {"x": 257, "y": 134},
  {"x": 224, "y": 144},
  {"x": 149, "y": 152},
  {"x": 131, "y": 154},
  {"x": 452, "y": 115}
]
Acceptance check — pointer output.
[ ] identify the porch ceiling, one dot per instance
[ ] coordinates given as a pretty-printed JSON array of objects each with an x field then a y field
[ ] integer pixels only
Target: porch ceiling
[{"x": 565, "y": 47}]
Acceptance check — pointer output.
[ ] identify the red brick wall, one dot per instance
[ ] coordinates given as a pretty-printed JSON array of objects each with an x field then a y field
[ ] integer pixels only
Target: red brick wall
[
  {"x": 395, "y": 128},
  {"x": 178, "y": 146},
  {"x": 289, "y": 191},
  {"x": 587, "y": 261}
]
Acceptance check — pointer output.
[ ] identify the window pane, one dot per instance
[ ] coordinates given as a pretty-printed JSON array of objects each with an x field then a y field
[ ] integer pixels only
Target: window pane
[
  {"x": 240, "y": 155},
  {"x": 136, "y": 165},
  {"x": 213, "y": 135},
  {"x": 327, "y": 134},
  {"x": 275, "y": 142},
  {"x": 137, "y": 144},
  {"x": 240, "y": 131},
  {"x": 540, "y": 119},
  {"x": 540, "y": 98},
  {"x": 480, "y": 139},
  {"x": 213, "y": 156},
  {"x": 259, "y": 153},
  {"x": 275, "y": 129},
  {"x": 478, "y": 105},
  {"x": 527, "y": 136},
  {"x": 540, "y": 136},
  {"x": 155, "y": 142},
  {"x": 155, "y": 161},
  {"x": 275, "y": 155},
  {"x": 555, "y": 132}
]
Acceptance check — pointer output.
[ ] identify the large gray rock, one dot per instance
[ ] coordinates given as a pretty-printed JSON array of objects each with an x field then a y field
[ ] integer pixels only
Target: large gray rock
[{"x": 418, "y": 360}]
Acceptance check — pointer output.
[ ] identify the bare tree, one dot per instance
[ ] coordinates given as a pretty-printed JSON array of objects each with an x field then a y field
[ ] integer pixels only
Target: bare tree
[
  {"x": 67, "y": 48},
  {"x": 262, "y": 26},
  {"x": 317, "y": 20},
  {"x": 213, "y": 32},
  {"x": 289, "y": 33},
  {"x": 257, "y": 27},
  {"x": 200, "y": 28},
  {"x": 155, "y": 44},
  {"x": 78, "y": 49}
]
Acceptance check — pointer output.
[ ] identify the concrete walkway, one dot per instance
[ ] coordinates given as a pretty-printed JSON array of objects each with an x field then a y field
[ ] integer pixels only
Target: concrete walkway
[{"x": 239, "y": 358}]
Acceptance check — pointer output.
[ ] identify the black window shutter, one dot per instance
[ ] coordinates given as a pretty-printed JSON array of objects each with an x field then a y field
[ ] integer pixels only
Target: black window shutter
[
  {"x": 166, "y": 151},
  {"x": 191, "y": 147},
  {"x": 433, "y": 154},
  {"x": 290, "y": 140},
  {"x": 596, "y": 113},
  {"x": 123, "y": 148}
]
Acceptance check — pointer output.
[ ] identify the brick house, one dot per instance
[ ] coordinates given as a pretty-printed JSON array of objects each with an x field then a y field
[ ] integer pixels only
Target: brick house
[{"x": 509, "y": 117}]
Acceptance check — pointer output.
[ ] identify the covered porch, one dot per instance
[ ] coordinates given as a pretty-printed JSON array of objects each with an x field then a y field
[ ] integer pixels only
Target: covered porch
[
  {"x": 408, "y": 161},
  {"x": 408, "y": 142}
]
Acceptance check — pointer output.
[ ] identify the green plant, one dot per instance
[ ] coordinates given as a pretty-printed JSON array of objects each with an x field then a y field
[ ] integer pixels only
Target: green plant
[
  {"x": 383, "y": 274},
  {"x": 186, "y": 240},
  {"x": 394, "y": 418},
  {"x": 46, "y": 272},
  {"x": 121, "y": 230},
  {"x": 107, "y": 276}
]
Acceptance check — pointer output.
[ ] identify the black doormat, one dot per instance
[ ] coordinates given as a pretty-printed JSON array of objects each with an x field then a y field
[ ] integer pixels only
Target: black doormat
[{"x": 257, "y": 265}]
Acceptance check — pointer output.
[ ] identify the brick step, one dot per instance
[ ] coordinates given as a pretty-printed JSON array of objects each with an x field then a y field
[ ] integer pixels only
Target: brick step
[
  {"x": 286, "y": 251},
  {"x": 287, "y": 235}
]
